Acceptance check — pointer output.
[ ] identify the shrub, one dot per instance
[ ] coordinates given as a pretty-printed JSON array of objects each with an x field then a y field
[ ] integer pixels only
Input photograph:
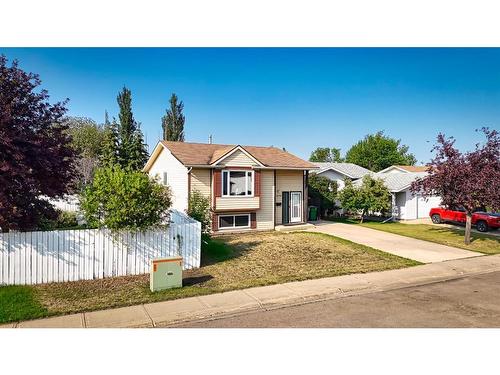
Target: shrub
[
  {"x": 120, "y": 198},
  {"x": 62, "y": 220},
  {"x": 199, "y": 209},
  {"x": 371, "y": 196}
]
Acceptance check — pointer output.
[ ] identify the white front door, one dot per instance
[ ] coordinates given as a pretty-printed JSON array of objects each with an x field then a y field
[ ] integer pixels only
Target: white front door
[{"x": 295, "y": 207}]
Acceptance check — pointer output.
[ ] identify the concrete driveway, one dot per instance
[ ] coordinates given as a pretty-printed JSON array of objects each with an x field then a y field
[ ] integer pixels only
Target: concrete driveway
[{"x": 422, "y": 251}]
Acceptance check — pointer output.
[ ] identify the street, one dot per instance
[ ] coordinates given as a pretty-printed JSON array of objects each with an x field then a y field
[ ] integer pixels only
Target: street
[{"x": 467, "y": 302}]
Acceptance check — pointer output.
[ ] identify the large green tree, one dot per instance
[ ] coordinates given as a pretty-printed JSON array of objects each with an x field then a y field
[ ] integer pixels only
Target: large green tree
[
  {"x": 323, "y": 192},
  {"x": 173, "y": 121},
  {"x": 326, "y": 155},
  {"x": 110, "y": 143},
  {"x": 120, "y": 198},
  {"x": 372, "y": 196},
  {"x": 87, "y": 139},
  {"x": 378, "y": 151}
]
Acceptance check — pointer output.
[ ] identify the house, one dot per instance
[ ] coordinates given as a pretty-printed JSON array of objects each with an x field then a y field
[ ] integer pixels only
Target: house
[
  {"x": 405, "y": 204},
  {"x": 340, "y": 171},
  {"x": 249, "y": 187}
]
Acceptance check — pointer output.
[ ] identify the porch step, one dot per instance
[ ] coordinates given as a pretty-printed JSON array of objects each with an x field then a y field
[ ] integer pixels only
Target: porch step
[{"x": 290, "y": 228}]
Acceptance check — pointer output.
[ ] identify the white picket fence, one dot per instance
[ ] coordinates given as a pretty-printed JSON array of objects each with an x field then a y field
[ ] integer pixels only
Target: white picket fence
[{"x": 70, "y": 255}]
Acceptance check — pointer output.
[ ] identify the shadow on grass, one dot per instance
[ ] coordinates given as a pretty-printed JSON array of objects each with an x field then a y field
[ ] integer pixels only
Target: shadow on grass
[{"x": 215, "y": 250}]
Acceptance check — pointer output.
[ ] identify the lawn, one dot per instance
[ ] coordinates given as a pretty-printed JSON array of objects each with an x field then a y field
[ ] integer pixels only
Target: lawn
[
  {"x": 228, "y": 262},
  {"x": 481, "y": 243}
]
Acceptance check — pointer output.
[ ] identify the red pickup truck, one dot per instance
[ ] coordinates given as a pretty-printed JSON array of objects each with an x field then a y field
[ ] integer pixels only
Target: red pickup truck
[{"x": 483, "y": 221}]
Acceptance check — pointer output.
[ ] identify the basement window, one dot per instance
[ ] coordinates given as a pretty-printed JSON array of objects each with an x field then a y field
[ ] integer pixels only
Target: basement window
[{"x": 234, "y": 221}]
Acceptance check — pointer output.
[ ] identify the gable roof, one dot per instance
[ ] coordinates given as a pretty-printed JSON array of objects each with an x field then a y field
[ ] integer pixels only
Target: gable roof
[
  {"x": 396, "y": 182},
  {"x": 350, "y": 170},
  {"x": 406, "y": 168},
  {"x": 205, "y": 154}
]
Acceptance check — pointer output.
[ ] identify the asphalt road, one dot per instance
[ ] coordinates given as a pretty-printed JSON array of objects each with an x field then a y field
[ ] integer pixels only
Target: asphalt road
[{"x": 468, "y": 302}]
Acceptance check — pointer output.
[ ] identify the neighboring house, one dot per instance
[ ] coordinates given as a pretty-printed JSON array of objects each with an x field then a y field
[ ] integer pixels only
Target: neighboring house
[
  {"x": 405, "y": 204},
  {"x": 339, "y": 171},
  {"x": 249, "y": 187}
]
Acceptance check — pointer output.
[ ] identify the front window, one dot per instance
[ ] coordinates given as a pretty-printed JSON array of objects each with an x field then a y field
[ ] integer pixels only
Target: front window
[
  {"x": 237, "y": 183},
  {"x": 234, "y": 221}
]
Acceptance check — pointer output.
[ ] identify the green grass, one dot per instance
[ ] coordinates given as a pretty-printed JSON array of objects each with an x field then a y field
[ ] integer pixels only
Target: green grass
[
  {"x": 481, "y": 243},
  {"x": 229, "y": 262},
  {"x": 19, "y": 303}
]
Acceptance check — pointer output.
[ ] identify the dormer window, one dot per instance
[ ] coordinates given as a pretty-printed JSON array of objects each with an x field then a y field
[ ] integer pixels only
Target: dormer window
[{"x": 237, "y": 183}]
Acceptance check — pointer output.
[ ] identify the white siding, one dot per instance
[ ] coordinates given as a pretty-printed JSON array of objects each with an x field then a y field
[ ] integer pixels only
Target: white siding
[
  {"x": 334, "y": 176},
  {"x": 238, "y": 159},
  {"x": 265, "y": 216},
  {"x": 200, "y": 180},
  {"x": 177, "y": 177}
]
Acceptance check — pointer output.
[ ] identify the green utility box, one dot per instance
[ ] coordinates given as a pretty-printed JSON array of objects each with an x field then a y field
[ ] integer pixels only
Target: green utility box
[
  {"x": 165, "y": 273},
  {"x": 313, "y": 213}
]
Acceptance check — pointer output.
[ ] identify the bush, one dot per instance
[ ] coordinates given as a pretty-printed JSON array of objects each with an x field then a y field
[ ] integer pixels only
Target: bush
[
  {"x": 120, "y": 198},
  {"x": 323, "y": 192},
  {"x": 199, "y": 209},
  {"x": 372, "y": 196},
  {"x": 62, "y": 220}
]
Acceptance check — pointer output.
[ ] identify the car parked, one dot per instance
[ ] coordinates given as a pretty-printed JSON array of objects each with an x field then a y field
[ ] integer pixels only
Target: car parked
[{"x": 483, "y": 221}]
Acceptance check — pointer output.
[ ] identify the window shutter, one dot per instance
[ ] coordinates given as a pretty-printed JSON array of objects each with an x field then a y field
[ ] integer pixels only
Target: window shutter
[
  {"x": 257, "y": 184},
  {"x": 215, "y": 222},
  {"x": 253, "y": 220},
  {"x": 217, "y": 183}
]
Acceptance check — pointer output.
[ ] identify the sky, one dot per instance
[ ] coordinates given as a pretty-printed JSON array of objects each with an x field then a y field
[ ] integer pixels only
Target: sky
[{"x": 297, "y": 98}]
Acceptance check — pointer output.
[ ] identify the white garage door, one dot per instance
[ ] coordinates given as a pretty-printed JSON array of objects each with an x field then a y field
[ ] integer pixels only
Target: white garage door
[{"x": 425, "y": 205}]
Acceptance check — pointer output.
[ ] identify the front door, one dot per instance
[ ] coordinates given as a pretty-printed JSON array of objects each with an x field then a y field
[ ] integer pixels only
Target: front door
[{"x": 295, "y": 207}]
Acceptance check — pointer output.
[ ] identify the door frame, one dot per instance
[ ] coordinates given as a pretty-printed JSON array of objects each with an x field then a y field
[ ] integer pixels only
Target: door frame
[{"x": 301, "y": 205}]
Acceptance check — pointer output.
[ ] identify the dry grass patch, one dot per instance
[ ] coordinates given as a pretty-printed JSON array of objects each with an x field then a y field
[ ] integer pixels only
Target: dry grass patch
[{"x": 228, "y": 262}]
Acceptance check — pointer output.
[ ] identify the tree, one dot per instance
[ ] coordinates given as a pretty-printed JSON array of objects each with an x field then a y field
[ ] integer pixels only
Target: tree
[
  {"x": 326, "y": 155},
  {"x": 322, "y": 192},
  {"x": 371, "y": 196},
  {"x": 470, "y": 180},
  {"x": 110, "y": 145},
  {"x": 199, "y": 209},
  {"x": 173, "y": 121},
  {"x": 131, "y": 149},
  {"x": 87, "y": 139},
  {"x": 378, "y": 151},
  {"x": 36, "y": 157},
  {"x": 119, "y": 198}
]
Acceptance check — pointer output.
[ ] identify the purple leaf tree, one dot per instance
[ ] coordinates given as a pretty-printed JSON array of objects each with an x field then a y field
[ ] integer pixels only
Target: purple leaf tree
[
  {"x": 36, "y": 159},
  {"x": 470, "y": 180}
]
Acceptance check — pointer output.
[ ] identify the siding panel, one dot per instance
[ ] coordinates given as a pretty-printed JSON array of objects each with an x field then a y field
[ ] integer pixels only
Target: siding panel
[
  {"x": 200, "y": 180},
  {"x": 238, "y": 159}
]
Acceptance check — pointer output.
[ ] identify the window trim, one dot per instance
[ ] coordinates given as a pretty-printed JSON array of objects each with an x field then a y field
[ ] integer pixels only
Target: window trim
[
  {"x": 234, "y": 222},
  {"x": 228, "y": 171}
]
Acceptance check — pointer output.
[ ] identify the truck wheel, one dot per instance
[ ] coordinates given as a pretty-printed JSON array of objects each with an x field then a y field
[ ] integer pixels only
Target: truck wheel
[
  {"x": 482, "y": 226},
  {"x": 436, "y": 219}
]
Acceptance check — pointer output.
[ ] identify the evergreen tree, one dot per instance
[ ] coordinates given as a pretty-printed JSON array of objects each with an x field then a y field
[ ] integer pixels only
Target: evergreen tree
[
  {"x": 173, "y": 121},
  {"x": 109, "y": 152},
  {"x": 130, "y": 148}
]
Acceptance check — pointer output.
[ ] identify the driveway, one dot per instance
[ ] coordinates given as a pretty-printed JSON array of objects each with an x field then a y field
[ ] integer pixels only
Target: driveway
[{"x": 411, "y": 248}]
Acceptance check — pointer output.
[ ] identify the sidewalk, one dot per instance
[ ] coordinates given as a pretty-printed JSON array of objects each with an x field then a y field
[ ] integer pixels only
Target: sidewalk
[{"x": 267, "y": 297}]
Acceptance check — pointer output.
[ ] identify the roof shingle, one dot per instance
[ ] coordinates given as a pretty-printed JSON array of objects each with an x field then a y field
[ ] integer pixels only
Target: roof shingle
[{"x": 191, "y": 154}]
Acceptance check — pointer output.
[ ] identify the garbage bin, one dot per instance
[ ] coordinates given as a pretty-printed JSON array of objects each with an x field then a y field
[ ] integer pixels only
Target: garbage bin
[{"x": 313, "y": 213}]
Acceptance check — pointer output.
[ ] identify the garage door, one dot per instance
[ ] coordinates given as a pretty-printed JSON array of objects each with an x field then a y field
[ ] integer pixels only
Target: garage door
[{"x": 425, "y": 205}]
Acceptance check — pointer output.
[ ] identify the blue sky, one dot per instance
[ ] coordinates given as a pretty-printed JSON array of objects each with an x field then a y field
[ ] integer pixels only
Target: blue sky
[{"x": 298, "y": 98}]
